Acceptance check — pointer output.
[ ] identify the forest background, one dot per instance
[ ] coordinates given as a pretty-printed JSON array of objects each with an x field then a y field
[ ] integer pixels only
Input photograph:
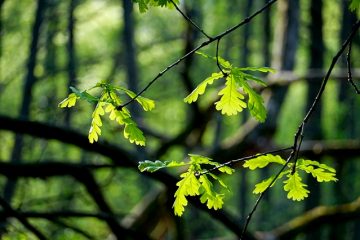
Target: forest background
[{"x": 56, "y": 185}]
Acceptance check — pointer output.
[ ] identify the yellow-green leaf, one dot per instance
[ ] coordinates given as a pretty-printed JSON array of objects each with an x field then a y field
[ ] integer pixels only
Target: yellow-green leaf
[
  {"x": 200, "y": 89},
  {"x": 231, "y": 101},
  {"x": 188, "y": 186},
  {"x": 134, "y": 134},
  {"x": 295, "y": 187},
  {"x": 96, "y": 123},
  {"x": 263, "y": 161},
  {"x": 70, "y": 101}
]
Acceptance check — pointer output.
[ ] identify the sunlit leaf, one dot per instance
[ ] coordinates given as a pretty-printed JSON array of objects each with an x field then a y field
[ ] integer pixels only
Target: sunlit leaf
[
  {"x": 84, "y": 95},
  {"x": 146, "y": 103},
  {"x": 258, "y": 69},
  {"x": 134, "y": 134},
  {"x": 262, "y": 161},
  {"x": 200, "y": 89},
  {"x": 231, "y": 101},
  {"x": 295, "y": 187},
  {"x": 150, "y": 166},
  {"x": 96, "y": 123},
  {"x": 188, "y": 186},
  {"x": 262, "y": 186},
  {"x": 213, "y": 199},
  {"x": 255, "y": 103},
  {"x": 320, "y": 171},
  {"x": 70, "y": 101}
]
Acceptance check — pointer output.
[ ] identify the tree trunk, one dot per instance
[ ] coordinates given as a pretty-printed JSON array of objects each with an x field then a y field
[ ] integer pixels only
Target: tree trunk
[
  {"x": 313, "y": 130},
  {"x": 29, "y": 82},
  {"x": 71, "y": 51}
]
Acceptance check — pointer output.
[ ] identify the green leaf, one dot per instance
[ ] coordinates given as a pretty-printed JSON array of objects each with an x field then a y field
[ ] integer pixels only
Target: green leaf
[
  {"x": 144, "y": 5},
  {"x": 354, "y": 5},
  {"x": 295, "y": 187},
  {"x": 198, "y": 159},
  {"x": 317, "y": 164},
  {"x": 227, "y": 170},
  {"x": 96, "y": 123},
  {"x": 133, "y": 133},
  {"x": 70, "y": 101},
  {"x": 84, "y": 95},
  {"x": 200, "y": 89},
  {"x": 188, "y": 186},
  {"x": 231, "y": 101},
  {"x": 322, "y": 172},
  {"x": 218, "y": 179},
  {"x": 150, "y": 166},
  {"x": 258, "y": 69},
  {"x": 146, "y": 103},
  {"x": 256, "y": 102},
  {"x": 262, "y": 186},
  {"x": 213, "y": 199},
  {"x": 262, "y": 161},
  {"x": 225, "y": 64}
]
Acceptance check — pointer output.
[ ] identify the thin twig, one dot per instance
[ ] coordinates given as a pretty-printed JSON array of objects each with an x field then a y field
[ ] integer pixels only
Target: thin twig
[
  {"x": 299, "y": 134},
  {"x": 189, "y": 20},
  {"x": 348, "y": 62},
  {"x": 231, "y": 162},
  {"x": 217, "y": 58},
  {"x": 203, "y": 44}
]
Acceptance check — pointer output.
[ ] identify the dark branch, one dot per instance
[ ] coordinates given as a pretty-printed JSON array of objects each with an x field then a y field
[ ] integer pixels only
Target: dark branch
[
  {"x": 203, "y": 44},
  {"x": 299, "y": 134},
  {"x": 189, "y": 20},
  {"x": 348, "y": 62},
  {"x": 10, "y": 211},
  {"x": 316, "y": 217}
]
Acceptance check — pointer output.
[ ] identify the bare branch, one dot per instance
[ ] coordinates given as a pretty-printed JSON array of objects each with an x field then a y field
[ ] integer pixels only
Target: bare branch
[
  {"x": 189, "y": 20},
  {"x": 315, "y": 218},
  {"x": 203, "y": 44},
  {"x": 348, "y": 63},
  {"x": 9, "y": 210}
]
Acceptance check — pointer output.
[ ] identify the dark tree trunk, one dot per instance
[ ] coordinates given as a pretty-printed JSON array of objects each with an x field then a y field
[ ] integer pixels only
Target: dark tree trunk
[
  {"x": 29, "y": 82},
  {"x": 71, "y": 51},
  {"x": 130, "y": 53},
  {"x": 313, "y": 130}
]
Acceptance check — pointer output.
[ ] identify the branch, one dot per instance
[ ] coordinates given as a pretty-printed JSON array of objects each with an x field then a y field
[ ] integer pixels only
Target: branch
[
  {"x": 299, "y": 134},
  {"x": 316, "y": 217},
  {"x": 9, "y": 210},
  {"x": 203, "y": 44},
  {"x": 119, "y": 156},
  {"x": 348, "y": 63},
  {"x": 189, "y": 20}
]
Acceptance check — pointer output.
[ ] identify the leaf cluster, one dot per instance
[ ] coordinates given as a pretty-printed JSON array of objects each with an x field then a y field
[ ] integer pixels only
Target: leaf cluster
[
  {"x": 293, "y": 184},
  {"x": 237, "y": 86},
  {"x": 193, "y": 182},
  {"x": 144, "y": 5},
  {"x": 109, "y": 102}
]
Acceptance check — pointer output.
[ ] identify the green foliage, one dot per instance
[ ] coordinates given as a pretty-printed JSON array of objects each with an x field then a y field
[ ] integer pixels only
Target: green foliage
[
  {"x": 194, "y": 182},
  {"x": 144, "y": 5},
  {"x": 354, "y": 5},
  {"x": 109, "y": 102},
  {"x": 293, "y": 184},
  {"x": 263, "y": 161},
  {"x": 232, "y": 100}
]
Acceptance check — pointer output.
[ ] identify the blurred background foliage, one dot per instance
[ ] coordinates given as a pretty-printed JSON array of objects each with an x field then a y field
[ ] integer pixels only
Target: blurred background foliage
[{"x": 81, "y": 42}]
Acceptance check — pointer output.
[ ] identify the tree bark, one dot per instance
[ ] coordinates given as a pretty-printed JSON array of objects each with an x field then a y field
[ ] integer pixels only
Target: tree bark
[{"x": 29, "y": 82}]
